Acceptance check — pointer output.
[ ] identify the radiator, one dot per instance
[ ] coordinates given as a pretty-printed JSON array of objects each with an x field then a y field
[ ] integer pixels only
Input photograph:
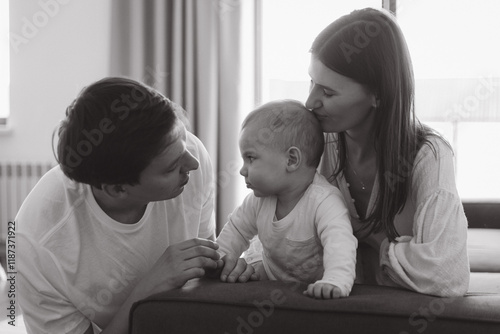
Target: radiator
[{"x": 16, "y": 181}]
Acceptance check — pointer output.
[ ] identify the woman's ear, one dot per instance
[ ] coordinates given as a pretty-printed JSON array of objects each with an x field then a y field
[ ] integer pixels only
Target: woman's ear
[{"x": 294, "y": 159}]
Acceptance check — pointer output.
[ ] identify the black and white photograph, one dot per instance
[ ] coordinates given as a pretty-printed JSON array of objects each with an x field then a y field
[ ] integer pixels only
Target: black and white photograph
[{"x": 249, "y": 166}]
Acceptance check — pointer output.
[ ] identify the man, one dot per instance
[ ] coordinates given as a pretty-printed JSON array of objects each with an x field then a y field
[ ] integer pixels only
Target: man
[{"x": 117, "y": 220}]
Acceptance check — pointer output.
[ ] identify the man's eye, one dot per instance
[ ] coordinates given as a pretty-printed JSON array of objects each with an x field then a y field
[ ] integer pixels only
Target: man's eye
[
  {"x": 170, "y": 170},
  {"x": 250, "y": 158}
]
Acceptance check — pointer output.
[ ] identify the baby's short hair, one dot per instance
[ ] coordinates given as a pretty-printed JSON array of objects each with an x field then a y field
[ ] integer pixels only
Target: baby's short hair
[{"x": 287, "y": 123}]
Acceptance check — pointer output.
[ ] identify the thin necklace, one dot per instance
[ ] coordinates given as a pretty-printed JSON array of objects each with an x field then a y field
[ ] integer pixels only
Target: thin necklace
[{"x": 363, "y": 187}]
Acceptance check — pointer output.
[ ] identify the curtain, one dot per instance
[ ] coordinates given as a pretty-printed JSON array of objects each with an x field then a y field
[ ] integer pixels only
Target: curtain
[{"x": 191, "y": 51}]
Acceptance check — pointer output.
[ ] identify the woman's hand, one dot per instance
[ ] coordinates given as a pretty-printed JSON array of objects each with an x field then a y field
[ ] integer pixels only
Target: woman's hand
[{"x": 237, "y": 270}]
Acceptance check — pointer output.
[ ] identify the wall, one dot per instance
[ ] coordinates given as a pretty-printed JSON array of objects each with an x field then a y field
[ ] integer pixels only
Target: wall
[{"x": 57, "y": 47}]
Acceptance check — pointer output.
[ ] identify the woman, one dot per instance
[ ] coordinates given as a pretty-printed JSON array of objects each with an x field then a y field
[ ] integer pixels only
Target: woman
[{"x": 396, "y": 174}]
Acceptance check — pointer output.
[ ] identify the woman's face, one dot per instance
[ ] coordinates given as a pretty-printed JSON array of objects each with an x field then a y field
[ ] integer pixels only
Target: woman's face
[{"x": 340, "y": 103}]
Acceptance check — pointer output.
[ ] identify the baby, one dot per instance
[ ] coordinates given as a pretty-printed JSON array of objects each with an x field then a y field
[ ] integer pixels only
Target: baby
[{"x": 300, "y": 218}]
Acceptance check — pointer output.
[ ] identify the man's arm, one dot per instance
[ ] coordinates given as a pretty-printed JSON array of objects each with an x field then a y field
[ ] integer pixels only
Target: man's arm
[{"x": 180, "y": 263}]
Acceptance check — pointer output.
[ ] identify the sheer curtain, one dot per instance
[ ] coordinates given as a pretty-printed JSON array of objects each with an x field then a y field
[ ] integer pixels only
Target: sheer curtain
[{"x": 192, "y": 51}]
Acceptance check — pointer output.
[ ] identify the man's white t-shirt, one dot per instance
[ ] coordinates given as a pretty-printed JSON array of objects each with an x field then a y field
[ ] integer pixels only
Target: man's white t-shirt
[{"x": 76, "y": 265}]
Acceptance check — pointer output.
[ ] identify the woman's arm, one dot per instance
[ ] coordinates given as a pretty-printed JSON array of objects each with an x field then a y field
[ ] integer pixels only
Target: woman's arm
[{"x": 434, "y": 260}]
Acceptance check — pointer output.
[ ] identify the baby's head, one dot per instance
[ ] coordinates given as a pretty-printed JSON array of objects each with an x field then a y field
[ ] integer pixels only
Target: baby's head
[{"x": 287, "y": 123}]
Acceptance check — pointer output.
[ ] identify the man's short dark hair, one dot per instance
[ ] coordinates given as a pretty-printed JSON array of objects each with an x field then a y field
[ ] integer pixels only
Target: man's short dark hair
[{"x": 113, "y": 130}]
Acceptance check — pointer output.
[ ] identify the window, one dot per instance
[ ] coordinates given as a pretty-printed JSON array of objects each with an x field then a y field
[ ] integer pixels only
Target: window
[
  {"x": 4, "y": 62},
  {"x": 288, "y": 30},
  {"x": 456, "y": 58},
  {"x": 457, "y": 68}
]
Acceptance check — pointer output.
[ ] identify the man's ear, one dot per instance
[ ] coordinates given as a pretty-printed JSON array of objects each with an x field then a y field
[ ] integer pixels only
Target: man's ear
[
  {"x": 294, "y": 160},
  {"x": 113, "y": 190}
]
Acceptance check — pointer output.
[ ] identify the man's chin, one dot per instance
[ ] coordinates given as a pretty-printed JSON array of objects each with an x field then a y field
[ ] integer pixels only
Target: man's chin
[
  {"x": 172, "y": 195},
  {"x": 259, "y": 194},
  {"x": 178, "y": 192}
]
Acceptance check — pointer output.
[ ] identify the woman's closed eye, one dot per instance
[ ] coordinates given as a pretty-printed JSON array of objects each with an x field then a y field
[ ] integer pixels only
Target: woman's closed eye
[{"x": 328, "y": 92}]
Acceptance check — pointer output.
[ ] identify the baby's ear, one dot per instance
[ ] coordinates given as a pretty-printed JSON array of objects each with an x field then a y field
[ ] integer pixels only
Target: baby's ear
[{"x": 294, "y": 156}]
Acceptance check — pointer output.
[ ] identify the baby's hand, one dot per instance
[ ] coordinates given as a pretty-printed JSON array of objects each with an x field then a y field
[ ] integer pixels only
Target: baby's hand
[
  {"x": 323, "y": 291},
  {"x": 258, "y": 267},
  {"x": 237, "y": 270}
]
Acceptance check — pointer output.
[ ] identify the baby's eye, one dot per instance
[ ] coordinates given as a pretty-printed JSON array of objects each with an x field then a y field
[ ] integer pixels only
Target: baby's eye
[{"x": 250, "y": 158}]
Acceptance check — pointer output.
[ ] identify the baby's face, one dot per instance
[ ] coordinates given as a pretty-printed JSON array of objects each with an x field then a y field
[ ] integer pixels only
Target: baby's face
[{"x": 264, "y": 167}]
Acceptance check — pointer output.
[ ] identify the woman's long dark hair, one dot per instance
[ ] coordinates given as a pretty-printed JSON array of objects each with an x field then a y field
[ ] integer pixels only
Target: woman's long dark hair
[{"x": 368, "y": 46}]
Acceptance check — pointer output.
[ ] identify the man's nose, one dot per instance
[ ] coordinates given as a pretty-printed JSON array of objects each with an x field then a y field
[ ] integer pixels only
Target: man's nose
[{"x": 190, "y": 163}]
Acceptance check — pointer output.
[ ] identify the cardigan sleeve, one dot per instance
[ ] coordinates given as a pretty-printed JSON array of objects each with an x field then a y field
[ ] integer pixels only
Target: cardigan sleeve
[{"x": 434, "y": 260}]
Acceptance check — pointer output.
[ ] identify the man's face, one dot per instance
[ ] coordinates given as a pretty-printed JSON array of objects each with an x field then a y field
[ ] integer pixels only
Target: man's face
[{"x": 168, "y": 173}]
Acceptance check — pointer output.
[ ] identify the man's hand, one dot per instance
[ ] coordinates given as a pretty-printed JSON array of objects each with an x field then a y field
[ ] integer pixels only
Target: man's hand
[
  {"x": 323, "y": 291},
  {"x": 180, "y": 263},
  {"x": 237, "y": 270}
]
